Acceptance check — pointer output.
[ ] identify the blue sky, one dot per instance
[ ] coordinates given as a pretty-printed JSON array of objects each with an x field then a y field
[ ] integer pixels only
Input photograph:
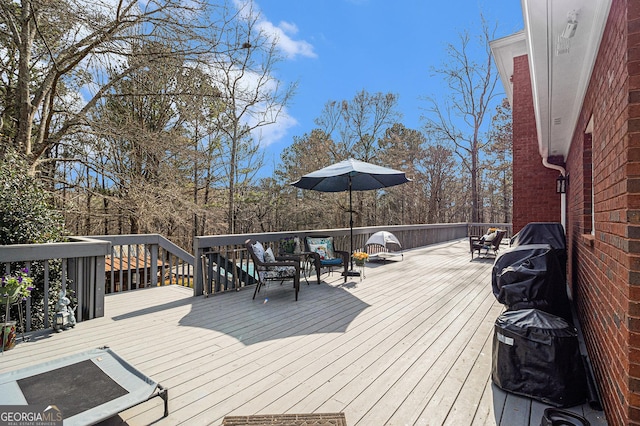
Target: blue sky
[{"x": 335, "y": 48}]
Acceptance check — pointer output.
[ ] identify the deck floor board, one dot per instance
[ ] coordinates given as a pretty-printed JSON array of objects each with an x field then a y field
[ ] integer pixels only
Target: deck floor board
[{"x": 410, "y": 344}]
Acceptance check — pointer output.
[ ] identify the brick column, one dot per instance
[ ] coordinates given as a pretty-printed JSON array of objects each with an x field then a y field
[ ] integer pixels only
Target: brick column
[{"x": 534, "y": 194}]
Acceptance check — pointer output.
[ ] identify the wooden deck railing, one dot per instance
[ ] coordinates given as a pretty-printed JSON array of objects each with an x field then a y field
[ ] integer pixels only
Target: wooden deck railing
[
  {"x": 94, "y": 266},
  {"x": 97, "y": 265},
  {"x": 224, "y": 264},
  {"x": 138, "y": 261},
  {"x": 82, "y": 268}
]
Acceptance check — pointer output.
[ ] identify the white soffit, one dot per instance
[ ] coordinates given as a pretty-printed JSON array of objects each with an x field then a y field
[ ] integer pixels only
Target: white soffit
[
  {"x": 561, "y": 66},
  {"x": 503, "y": 51}
]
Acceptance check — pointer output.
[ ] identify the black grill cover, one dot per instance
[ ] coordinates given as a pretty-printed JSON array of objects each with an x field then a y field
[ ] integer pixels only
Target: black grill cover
[
  {"x": 528, "y": 277},
  {"x": 536, "y": 354},
  {"x": 551, "y": 233}
]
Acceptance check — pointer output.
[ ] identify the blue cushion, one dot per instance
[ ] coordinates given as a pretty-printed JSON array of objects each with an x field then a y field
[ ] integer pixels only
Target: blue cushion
[{"x": 335, "y": 261}]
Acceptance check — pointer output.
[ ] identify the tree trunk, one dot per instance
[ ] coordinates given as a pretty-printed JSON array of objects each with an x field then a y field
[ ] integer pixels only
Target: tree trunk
[
  {"x": 88, "y": 213},
  {"x": 475, "y": 205},
  {"x": 232, "y": 181},
  {"x": 23, "y": 95}
]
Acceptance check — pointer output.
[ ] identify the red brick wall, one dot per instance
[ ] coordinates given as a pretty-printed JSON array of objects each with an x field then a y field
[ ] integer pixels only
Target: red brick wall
[
  {"x": 604, "y": 269},
  {"x": 534, "y": 186}
]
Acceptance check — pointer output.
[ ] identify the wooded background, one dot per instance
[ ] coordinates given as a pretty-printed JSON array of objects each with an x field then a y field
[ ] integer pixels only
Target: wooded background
[{"x": 147, "y": 120}]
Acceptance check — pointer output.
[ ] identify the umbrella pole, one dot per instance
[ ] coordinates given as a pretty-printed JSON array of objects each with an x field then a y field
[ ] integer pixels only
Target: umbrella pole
[
  {"x": 351, "y": 224},
  {"x": 351, "y": 272}
]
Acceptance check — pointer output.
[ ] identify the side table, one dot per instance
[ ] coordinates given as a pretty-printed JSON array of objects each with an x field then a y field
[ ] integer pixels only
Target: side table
[
  {"x": 361, "y": 267},
  {"x": 306, "y": 263}
]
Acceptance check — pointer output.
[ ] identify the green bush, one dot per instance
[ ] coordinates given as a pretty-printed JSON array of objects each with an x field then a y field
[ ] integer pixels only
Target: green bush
[{"x": 27, "y": 218}]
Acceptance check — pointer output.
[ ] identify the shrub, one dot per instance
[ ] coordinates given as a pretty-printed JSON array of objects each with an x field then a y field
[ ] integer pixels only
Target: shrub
[{"x": 27, "y": 218}]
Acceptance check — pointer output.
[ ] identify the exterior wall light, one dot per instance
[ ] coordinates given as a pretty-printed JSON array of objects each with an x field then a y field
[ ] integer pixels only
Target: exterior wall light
[{"x": 561, "y": 184}]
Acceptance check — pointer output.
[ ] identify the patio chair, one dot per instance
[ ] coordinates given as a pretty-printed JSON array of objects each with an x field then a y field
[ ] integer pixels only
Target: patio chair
[
  {"x": 273, "y": 268},
  {"x": 325, "y": 255},
  {"x": 487, "y": 243}
]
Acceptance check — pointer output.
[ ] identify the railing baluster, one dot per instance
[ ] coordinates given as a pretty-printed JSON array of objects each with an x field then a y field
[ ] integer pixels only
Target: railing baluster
[
  {"x": 210, "y": 279},
  {"x": 147, "y": 267},
  {"x": 171, "y": 268},
  {"x": 121, "y": 286},
  {"x": 136, "y": 274},
  {"x": 129, "y": 281},
  {"x": 46, "y": 294},
  {"x": 154, "y": 265},
  {"x": 112, "y": 285},
  {"x": 161, "y": 255},
  {"x": 244, "y": 269},
  {"x": 234, "y": 270},
  {"x": 217, "y": 283},
  {"x": 27, "y": 320}
]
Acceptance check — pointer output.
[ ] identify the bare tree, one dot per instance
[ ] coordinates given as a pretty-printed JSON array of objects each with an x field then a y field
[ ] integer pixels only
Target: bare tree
[
  {"x": 499, "y": 163},
  {"x": 306, "y": 154},
  {"x": 439, "y": 172},
  {"x": 56, "y": 54},
  {"x": 253, "y": 96},
  {"x": 404, "y": 149},
  {"x": 459, "y": 119},
  {"x": 142, "y": 147},
  {"x": 356, "y": 125}
]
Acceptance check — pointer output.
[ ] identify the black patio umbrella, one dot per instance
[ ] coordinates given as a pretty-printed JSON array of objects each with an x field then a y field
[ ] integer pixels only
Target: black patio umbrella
[{"x": 351, "y": 175}]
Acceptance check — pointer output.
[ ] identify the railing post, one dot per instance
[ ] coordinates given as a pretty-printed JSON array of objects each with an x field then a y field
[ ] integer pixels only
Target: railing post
[
  {"x": 112, "y": 282},
  {"x": 153, "y": 270},
  {"x": 70, "y": 273},
  {"x": 98, "y": 271},
  {"x": 47, "y": 295},
  {"x": 88, "y": 277},
  {"x": 198, "y": 273}
]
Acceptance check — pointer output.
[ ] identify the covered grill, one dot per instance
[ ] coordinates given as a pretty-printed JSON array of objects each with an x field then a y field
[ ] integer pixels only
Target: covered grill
[
  {"x": 530, "y": 276},
  {"x": 536, "y": 354}
]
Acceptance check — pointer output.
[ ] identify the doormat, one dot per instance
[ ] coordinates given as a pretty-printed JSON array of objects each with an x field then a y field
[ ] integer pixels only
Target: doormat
[{"x": 314, "y": 419}]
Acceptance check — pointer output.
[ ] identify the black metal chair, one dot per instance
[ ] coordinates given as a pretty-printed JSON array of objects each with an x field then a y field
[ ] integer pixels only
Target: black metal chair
[
  {"x": 477, "y": 244},
  {"x": 325, "y": 255},
  {"x": 280, "y": 269}
]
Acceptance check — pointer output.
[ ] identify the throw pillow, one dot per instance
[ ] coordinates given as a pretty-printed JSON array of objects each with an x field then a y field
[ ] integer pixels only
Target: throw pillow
[
  {"x": 327, "y": 243},
  {"x": 258, "y": 250},
  {"x": 268, "y": 256},
  {"x": 489, "y": 237},
  {"x": 321, "y": 249}
]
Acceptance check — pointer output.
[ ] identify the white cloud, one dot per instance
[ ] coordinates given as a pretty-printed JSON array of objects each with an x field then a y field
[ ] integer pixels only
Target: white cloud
[
  {"x": 272, "y": 133},
  {"x": 284, "y": 35},
  {"x": 250, "y": 85},
  {"x": 281, "y": 33},
  {"x": 288, "y": 27},
  {"x": 290, "y": 47}
]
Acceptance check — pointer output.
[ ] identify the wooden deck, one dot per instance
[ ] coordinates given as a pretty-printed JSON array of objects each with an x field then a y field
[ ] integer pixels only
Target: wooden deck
[{"x": 410, "y": 344}]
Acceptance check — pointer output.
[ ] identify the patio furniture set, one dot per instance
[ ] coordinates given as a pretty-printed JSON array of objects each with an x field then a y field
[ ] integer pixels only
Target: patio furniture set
[{"x": 319, "y": 253}]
